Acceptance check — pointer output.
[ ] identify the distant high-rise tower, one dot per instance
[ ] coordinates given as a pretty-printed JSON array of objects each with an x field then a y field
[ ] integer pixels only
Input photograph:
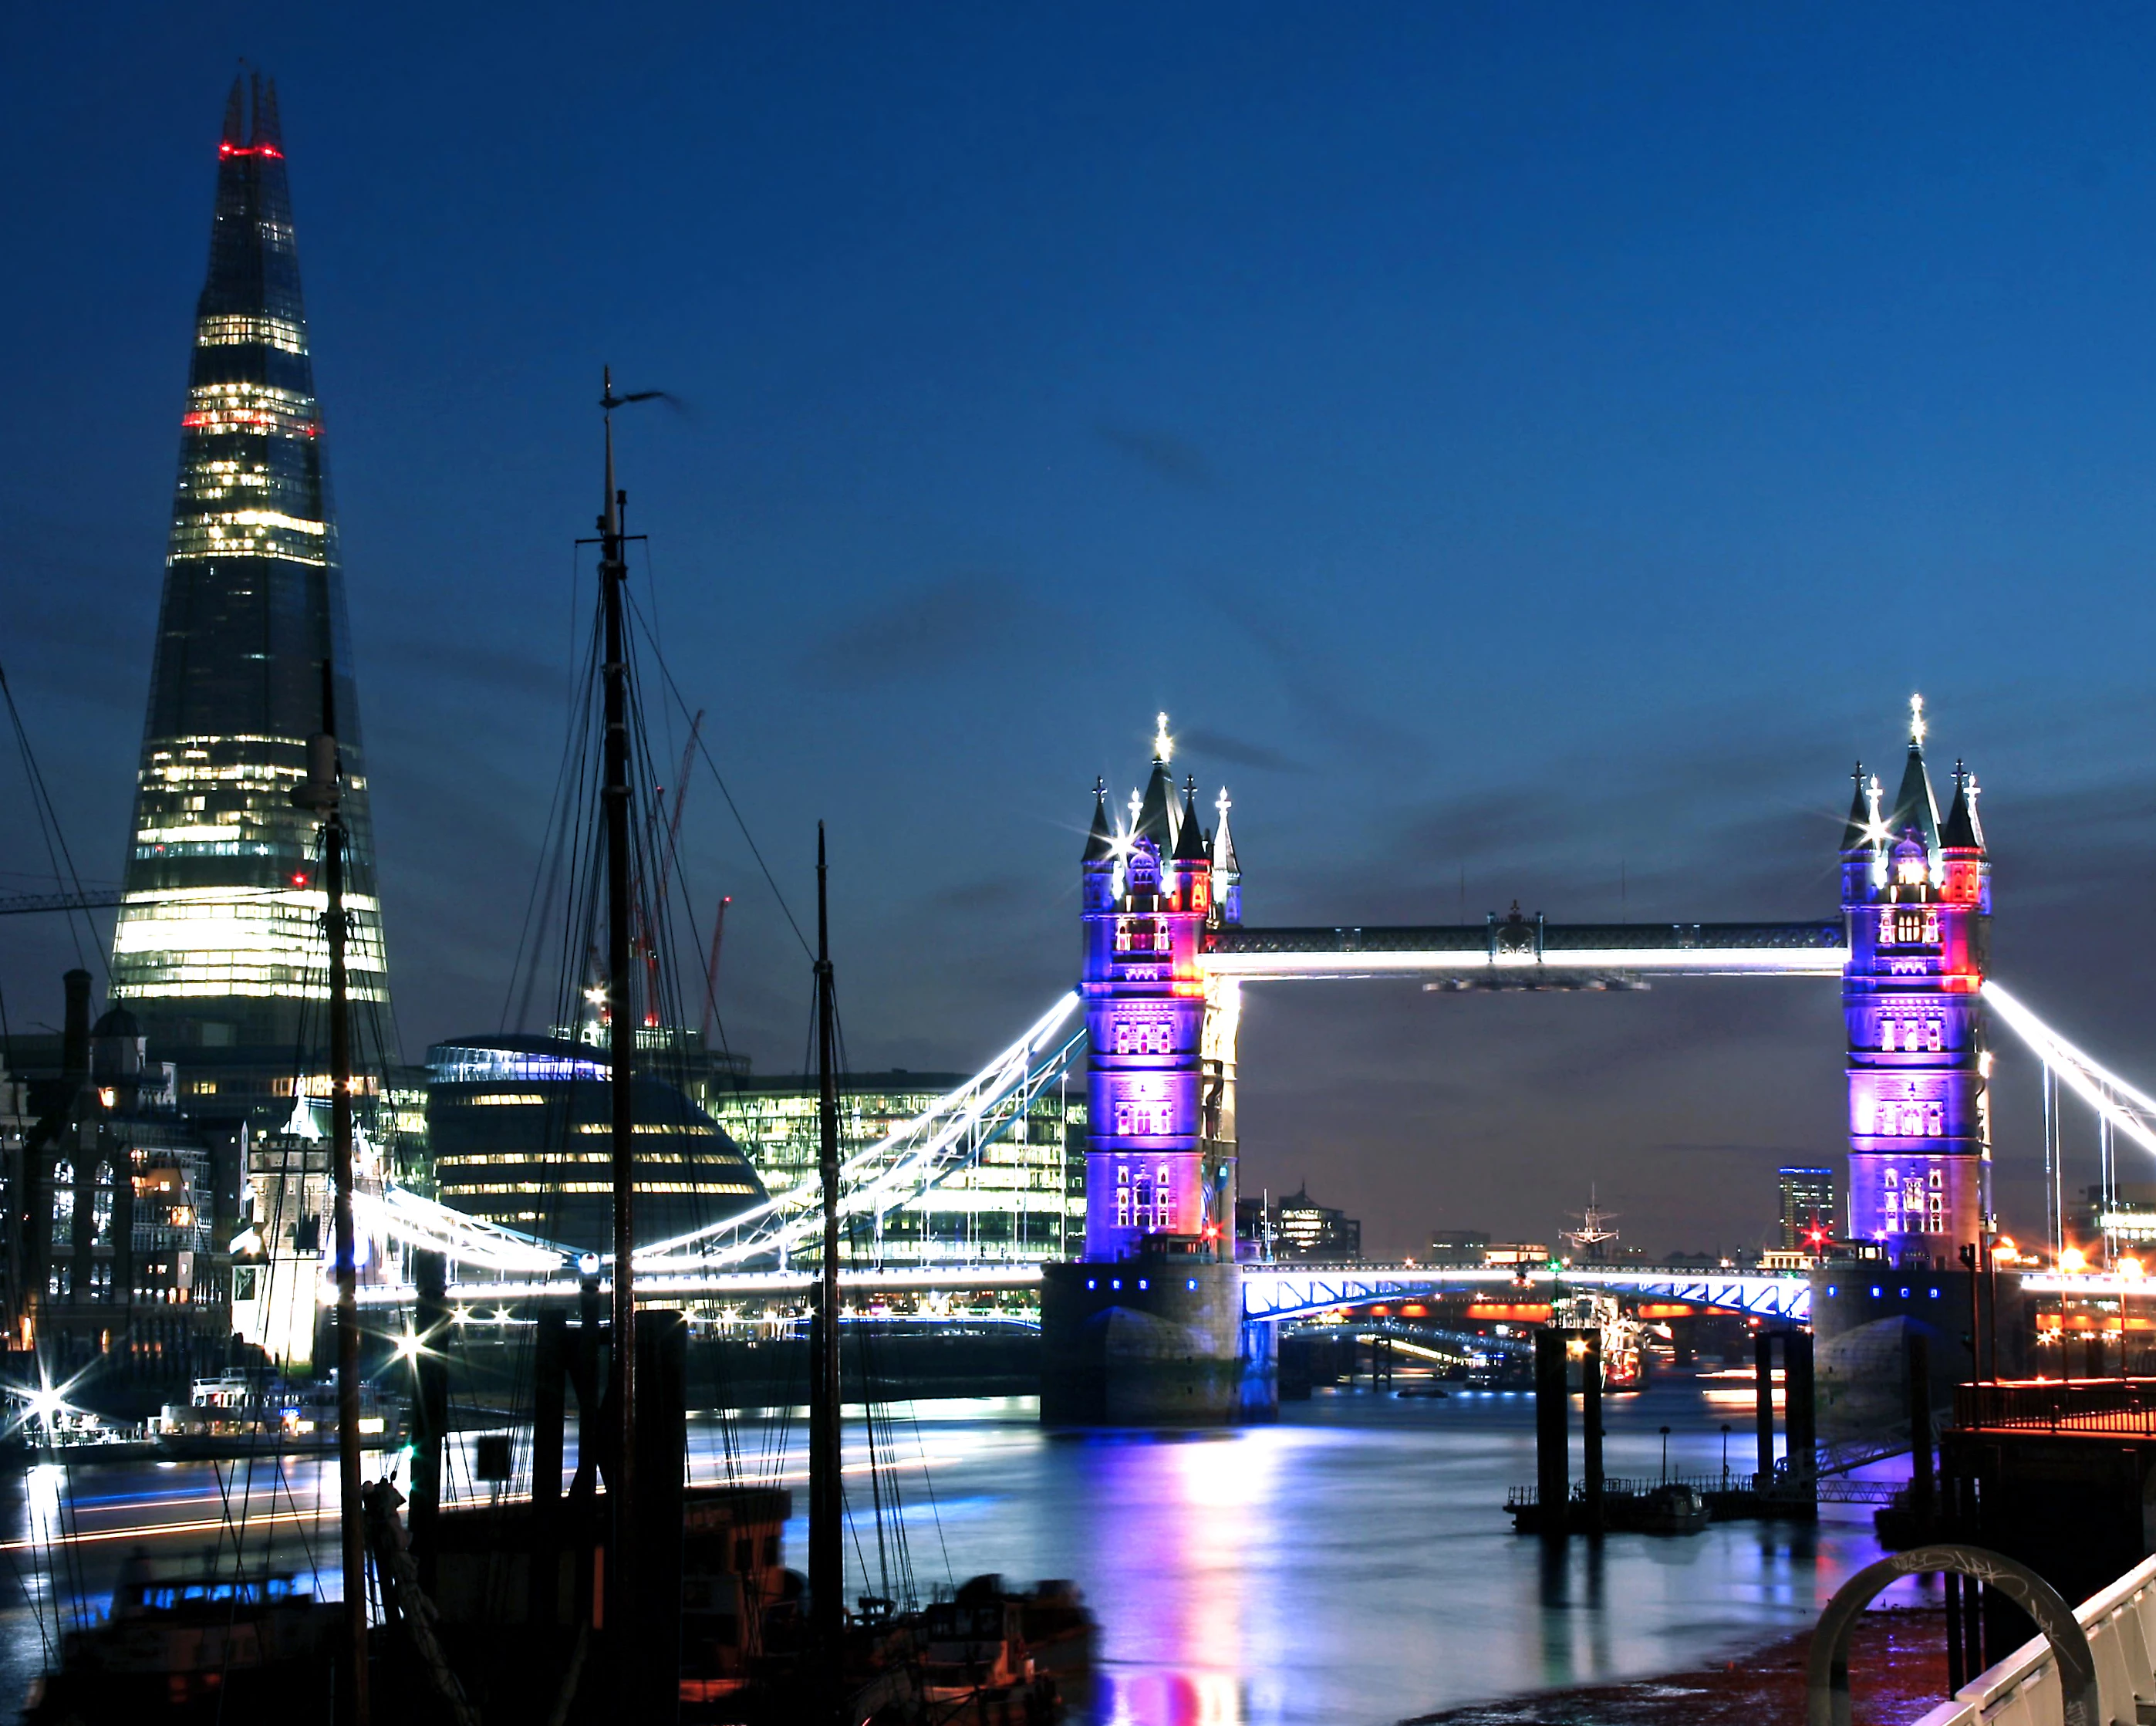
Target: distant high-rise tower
[
  {"x": 1918, "y": 895},
  {"x": 219, "y": 945},
  {"x": 1808, "y": 1217}
]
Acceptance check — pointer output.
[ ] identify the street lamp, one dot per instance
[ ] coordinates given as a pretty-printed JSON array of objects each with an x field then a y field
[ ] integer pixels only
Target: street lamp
[
  {"x": 1665, "y": 1453},
  {"x": 1725, "y": 1456}
]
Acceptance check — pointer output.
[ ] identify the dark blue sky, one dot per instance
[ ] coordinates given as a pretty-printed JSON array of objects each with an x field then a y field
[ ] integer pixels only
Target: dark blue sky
[{"x": 1543, "y": 443}]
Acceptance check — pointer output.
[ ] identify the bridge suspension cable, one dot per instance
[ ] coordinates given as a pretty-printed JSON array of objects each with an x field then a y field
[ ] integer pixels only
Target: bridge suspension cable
[
  {"x": 897, "y": 1168},
  {"x": 2129, "y": 1110},
  {"x": 902, "y": 1164}
]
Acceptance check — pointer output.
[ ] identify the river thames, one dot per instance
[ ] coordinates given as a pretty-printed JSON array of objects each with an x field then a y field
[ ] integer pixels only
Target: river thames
[{"x": 1351, "y": 1564}]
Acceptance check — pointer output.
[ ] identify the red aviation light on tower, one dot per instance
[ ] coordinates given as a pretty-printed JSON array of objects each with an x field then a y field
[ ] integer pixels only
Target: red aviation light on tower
[{"x": 271, "y": 151}]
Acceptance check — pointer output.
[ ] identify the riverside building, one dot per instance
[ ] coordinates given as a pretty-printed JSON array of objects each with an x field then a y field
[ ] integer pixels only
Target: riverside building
[{"x": 520, "y": 1133}]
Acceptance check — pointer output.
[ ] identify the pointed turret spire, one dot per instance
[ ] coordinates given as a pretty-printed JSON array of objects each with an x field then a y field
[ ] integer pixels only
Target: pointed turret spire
[
  {"x": 1100, "y": 842},
  {"x": 1224, "y": 842},
  {"x": 1963, "y": 831},
  {"x": 1156, "y": 816},
  {"x": 1857, "y": 833},
  {"x": 1914, "y": 805},
  {"x": 1190, "y": 837}
]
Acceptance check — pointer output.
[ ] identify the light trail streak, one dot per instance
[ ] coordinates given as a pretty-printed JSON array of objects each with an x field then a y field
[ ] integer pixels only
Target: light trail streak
[{"x": 152, "y": 1531}]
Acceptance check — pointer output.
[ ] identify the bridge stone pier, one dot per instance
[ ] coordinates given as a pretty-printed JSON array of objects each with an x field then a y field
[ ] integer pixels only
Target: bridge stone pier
[{"x": 1151, "y": 1326}]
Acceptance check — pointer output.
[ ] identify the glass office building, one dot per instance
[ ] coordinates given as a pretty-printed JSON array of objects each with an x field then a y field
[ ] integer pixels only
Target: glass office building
[
  {"x": 217, "y": 945},
  {"x": 1024, "y": 1199}
]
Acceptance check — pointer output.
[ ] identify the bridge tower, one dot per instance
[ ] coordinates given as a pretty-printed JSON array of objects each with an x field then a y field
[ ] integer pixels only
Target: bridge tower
[
  {"x": 1147, "y": 1329},
  {"x": 1160, "y": 1149},
  {"x": 1916, "y": 893}
]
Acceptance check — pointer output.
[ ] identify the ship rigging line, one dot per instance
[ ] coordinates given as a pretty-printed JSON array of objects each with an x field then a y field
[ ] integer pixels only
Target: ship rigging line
[
  {"x": 547, "y": 872},
  {"x": 704, "y": 749},
  {"x": 49, "y": 823}
]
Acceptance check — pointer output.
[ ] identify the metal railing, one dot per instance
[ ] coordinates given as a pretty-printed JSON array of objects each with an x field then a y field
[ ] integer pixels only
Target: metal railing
[{"x": 2123, "y": 1406}]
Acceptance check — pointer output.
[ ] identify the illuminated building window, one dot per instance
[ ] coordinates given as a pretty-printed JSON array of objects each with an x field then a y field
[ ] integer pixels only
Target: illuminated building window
[
  {"x": 1886, "y": 1029},
  {"x": 1123, "y": 1037},
  {"x": 1123, "y": 1119},
  {"x": 1935, "y": 1118},
  {"x": 1909, "y": 927},
  {"x": 1934, "y": 1035},
  {"x": 1938, "y": 1181},
  {"x": 1164, "y": 1199}
]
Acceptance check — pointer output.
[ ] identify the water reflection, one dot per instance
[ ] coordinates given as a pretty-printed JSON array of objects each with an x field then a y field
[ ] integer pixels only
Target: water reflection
[{"x": 1352, "y": 1564}]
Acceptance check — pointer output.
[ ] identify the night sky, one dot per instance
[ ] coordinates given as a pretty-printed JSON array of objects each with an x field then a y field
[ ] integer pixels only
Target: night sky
[{"x": 1537, "y": 447}]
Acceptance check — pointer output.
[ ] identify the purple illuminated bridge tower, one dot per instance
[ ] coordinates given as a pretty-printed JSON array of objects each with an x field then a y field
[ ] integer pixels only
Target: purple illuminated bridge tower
[
  {"x": 1916, "y": 893},
  {"x": 1149, "y": 1328},
  {"x": 1160, "y": 1163}
]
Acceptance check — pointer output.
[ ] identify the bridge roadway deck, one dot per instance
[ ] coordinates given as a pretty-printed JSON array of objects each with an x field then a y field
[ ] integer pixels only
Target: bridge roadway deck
[
  {"x": 1513, "y": 954},
  {"x": 1289, "y": 1290},
  {"x": 1268, "y": 1291}
]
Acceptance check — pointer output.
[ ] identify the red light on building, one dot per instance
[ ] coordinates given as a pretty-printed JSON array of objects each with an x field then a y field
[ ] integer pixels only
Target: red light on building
[{"x": 299, "y": 878}]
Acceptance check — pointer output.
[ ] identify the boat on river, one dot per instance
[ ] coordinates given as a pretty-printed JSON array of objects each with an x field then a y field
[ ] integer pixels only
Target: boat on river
[
  {"x": 241, "y": 1414},
  {"x": 187, "y": 1643}
]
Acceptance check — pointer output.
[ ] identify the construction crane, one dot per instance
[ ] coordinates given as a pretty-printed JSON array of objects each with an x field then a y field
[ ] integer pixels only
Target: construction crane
[
  {"x": 711, "y": 972},
  {"x": 58, "y": 902},
  {"x": 648, "y": 912},
  {"x": 680, "y": 800}
]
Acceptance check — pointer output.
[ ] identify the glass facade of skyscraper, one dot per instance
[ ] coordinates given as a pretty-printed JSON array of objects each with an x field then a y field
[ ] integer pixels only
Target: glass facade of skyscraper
[{"x": 219, "y": 944}]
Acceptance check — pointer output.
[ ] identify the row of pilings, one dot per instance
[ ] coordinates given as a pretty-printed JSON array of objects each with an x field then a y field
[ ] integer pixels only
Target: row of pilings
[{"x": 1562, "y": 1355}]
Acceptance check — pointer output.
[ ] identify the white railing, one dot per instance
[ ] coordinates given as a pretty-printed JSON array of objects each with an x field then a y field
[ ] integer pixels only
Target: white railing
[{"x": 2024, "y": 1690}]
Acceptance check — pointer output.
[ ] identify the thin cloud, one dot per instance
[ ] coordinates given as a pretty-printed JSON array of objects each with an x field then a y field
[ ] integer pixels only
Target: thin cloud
[
  {"x": 932, "y": 631},
  {"x": 1162, "y": 454},
  {"x": 1218, "y": 746}
]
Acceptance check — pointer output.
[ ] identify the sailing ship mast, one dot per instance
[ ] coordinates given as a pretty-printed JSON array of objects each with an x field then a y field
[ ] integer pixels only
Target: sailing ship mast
[
  {"x": 621, "y": 1026},
  {"x": 322, "y": 790},
  {"x": 826, "y": 1549}
]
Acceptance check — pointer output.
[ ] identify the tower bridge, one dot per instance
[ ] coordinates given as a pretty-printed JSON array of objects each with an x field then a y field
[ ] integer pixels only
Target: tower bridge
[
  {"x": 1166, "y": 955},
  {"x": 1160, "y": 1321}
]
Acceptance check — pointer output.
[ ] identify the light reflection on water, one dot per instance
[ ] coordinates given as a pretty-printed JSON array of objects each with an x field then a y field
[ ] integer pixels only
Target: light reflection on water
[{"x": 1352, "y": 1564}]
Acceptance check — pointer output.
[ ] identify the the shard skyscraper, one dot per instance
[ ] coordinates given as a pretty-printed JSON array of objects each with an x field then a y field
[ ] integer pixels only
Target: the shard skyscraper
[{"x": 218, "y": 948}]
